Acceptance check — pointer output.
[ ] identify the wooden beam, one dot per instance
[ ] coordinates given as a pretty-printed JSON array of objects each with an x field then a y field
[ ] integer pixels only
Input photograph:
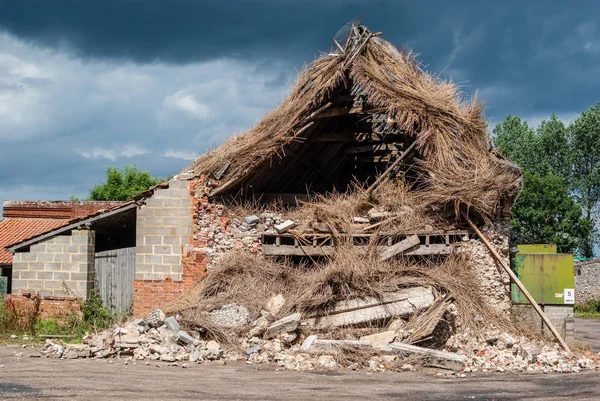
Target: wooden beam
[
  {"x": 326, "y": 250},
  {"x": 373, "y": 148},
  {"x": 516, "y": 280},
  {"x": 360, "y": 137},
  {"x": 400, "y": 247},
  {"x": 338, "y": 111},
  {"x": 386, "y": 174}
]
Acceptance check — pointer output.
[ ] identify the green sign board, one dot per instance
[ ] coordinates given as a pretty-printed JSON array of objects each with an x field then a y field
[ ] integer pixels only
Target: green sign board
[{"x": 548, "y": 277}]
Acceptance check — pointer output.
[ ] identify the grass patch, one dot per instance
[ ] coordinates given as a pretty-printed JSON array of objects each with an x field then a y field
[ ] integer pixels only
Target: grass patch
[{"x": 588, "y": 310}]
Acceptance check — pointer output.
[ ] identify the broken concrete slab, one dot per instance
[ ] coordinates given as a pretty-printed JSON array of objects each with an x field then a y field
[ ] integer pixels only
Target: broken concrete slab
[
  {"x": 184, "y": 337},
  {"x": 285, "y": 226},
  {"x": 308, "y": 342},
  {"x": 335, "y": 345},
  {"x": 435, "y": 358},
  {"x": 363, "y": 310},
  {"x": 285, "y": 325},
  {"x": 383, "y": 338},
  {"x": 172, "y": 324}
]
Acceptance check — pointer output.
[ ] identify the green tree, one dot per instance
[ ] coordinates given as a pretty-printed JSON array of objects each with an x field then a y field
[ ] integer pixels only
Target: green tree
[
  {"x": 585, "y": 155},
  {"x": 545, "y": 209},
  {"x": 123, "y": 184}
]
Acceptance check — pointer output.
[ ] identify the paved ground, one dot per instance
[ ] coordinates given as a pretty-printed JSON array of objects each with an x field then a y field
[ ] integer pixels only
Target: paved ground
[
  {"x": 588, "y": 332},
  {"x": 49, "y": 379}
]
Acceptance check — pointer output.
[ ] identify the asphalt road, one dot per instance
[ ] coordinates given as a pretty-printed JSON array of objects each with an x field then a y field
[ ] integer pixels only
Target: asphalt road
[
  {"x": 50, "y": 379},
  {"x": 588, "y": 332}
]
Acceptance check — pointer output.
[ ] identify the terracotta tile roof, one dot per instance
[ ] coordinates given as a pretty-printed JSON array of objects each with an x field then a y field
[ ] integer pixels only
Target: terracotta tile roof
[{"x": 16, "y": 230}]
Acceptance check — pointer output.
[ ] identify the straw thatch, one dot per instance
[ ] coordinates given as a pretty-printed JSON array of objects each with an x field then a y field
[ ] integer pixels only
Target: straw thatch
[{"x": 456, "y": 165}]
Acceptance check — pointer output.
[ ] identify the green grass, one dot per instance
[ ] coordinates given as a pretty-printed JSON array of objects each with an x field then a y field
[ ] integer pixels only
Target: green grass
[
  {"x": 588, "y": 310},
  {"x": 587, "y": 315}
]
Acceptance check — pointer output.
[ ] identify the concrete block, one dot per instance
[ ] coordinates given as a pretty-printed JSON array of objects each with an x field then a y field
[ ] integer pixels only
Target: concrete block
[
  {"x": 65, "y": 267},
  {"x": 184, "y": 231},
  {"x": 19, "y": 286},
  {"x": 143, "y": 268},
  {"x": 55, "y": 266},
  {"x": 61, "y": 276},
  {"x": 62, "y": 257},
  {"x": 52, "y": 284},
  {"x": 35, "y": 266},
  {"x": 285, "y": 226},
  {"x": 164, "y": 231},
  {"x": 179, "y": 193},
  {"x": 79, "y": 258},
  {"x": 143, "y": 249},
  {"x": 45, "y": 257},
  {"x": 171, "y": 259},
  {"x": 176, "y": 184},
  {"x": 383, "y": 338},
  {"x": 35, "y": 284},
  {"x": 54, "y": 248},
  {"x": 184, "y": 337},
  {"x": 31, "y": 275},
  {"x": 79, "y": 276},
  {"x": 42, "y": 275},
  {"x": 152, "y": 222},
  {"x": 38, "y": 248},
  {"x": 63, "y": 240},
  {"x": 80, "y": 241},
  {"x": 153, "y": 240},
  {"x": 285, "y": 325},
  {"x": 17, "y": 257},
  {"x": 160, "y": 193},
  {"x": 172, "y": 324},
  {"x": 141, "y": 230},
  {"x": 29, "y": 257},
  {"x": 172, "y": 221},
  {"x": 172, "y": 240},
  {"x": 172, "y": 202},
  {"x": 162, "y": 249},
  {"x": 152, "y": 259},
  {"x": 180, "y": 211},
  {"x": 161, "y": 269}
]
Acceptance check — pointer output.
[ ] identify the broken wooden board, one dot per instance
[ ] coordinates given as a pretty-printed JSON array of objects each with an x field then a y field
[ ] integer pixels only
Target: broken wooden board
[
  {"x": 435, "y": 358},
  {"x": 358, "y": 311},
  {"x": 424, "y": 325},
  {"x": 396, "y": 249}
]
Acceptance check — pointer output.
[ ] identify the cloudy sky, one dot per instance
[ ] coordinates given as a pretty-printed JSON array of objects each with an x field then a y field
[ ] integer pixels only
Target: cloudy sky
[{"x": 89, "y": 84}]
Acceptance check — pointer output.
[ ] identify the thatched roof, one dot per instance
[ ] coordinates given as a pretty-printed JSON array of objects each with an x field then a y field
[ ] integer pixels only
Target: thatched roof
[{"x": 455, "y": 161}]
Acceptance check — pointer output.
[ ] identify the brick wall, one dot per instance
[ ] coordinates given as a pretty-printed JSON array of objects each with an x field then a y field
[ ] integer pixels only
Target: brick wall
[
  {"x": 561, "y": 317},
  {"x": 59, "y": 266},
  {"x": 44, "y": 307},
  {"x": 164, "y": 229},
  {"x": 587, "y": 281}
]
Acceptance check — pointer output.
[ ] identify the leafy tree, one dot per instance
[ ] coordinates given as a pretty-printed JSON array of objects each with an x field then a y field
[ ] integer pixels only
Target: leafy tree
[
  {"x": 123, "y": 184},
  {"x": 545, "y": 209},
  {"x": 585, "y": 155}
]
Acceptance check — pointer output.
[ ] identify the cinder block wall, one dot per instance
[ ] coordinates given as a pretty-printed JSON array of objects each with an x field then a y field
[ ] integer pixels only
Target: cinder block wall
[
  {"x": 164, "y": 227},
  {"x": 60, "y": 266},
  {"x": 561, "y": 317},
  {"x": 587, "y": 281}
]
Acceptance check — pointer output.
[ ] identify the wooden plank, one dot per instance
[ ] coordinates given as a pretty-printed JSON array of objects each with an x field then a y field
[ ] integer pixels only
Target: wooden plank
[
  {"x": 326, "y": 250},
  {"x": 115, "y": 273},
  {"x": 338, "y": 111},
  {"x": 435, "y": 358},
  {"x": 399, "y": 248},
  {"x": 373, "y": 148},
  {"x": 516, "y": 280}
]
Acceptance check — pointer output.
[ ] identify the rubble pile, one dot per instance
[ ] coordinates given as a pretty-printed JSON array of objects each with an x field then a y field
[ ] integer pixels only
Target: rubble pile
[{"x": 284, "y": 344}]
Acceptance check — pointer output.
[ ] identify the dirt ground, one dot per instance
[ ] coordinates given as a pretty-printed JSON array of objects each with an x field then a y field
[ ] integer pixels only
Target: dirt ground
[{"x": 50, "y": 379}]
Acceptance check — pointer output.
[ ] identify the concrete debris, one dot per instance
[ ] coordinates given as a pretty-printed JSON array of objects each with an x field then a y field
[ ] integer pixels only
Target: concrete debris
[
  {"x": 172, "y": 324},
  {"x": 155, "y": 318},
  {"x": 275, "y": 304},
  {"x": 285, "y": 226},
  {"x": 432, "y": 357},
  {"x": 383, "y": 338},
  {"x": 282, "y": 326},
  {"x": 230, "y": 315}
]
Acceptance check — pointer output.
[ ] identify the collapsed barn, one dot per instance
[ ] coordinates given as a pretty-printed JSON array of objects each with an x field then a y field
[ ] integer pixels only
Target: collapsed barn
[{"x": 352, "y": 215}]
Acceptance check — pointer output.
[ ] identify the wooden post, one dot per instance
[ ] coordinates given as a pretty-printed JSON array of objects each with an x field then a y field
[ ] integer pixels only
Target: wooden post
[
  {"x": 516, "y": 280},
  {"x": 384, "y": 177}
]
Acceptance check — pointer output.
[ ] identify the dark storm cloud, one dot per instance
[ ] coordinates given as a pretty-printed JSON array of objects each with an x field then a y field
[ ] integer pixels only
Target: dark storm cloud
[{"x": 86, "y": 84}]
